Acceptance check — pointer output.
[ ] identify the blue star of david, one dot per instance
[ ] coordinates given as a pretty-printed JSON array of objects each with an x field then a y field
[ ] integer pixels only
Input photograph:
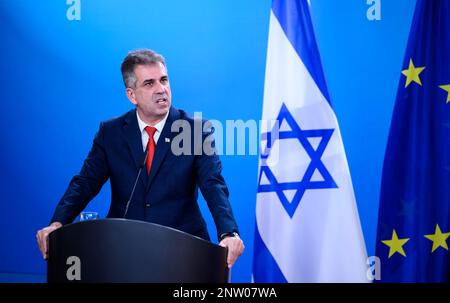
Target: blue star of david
[{"x": 316, "y": 163}]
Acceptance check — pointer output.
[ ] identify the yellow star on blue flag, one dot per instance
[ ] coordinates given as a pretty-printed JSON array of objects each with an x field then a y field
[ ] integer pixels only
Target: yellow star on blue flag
[
  {"x": 412, "y": 73},
  {"x": 447, "y": 89},
  {"x": 395, "y": 244},
  {"x": 439, "y": 239}
]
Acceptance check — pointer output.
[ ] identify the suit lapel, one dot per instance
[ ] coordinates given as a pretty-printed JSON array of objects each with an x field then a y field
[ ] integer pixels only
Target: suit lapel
[
  {"x": 134, "y": 140},
  {"x": 163, "y": 145}
]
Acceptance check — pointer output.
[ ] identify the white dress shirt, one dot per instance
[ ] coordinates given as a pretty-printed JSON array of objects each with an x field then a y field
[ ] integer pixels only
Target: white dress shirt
[{"x": 144, "y": 135}]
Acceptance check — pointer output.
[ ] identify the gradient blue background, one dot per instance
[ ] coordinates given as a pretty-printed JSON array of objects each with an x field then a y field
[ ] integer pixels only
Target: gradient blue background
[{"x": 60, "y": 78}]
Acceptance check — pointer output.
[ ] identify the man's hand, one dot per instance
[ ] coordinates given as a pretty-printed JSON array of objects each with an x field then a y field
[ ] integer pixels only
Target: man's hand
[
  {"x": 42, "y": 237},
  {"x": 235, "y": 248}
]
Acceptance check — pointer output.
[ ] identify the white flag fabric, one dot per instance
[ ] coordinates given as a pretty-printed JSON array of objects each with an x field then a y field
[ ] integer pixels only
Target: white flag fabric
[{"x": 307, "y": 223}]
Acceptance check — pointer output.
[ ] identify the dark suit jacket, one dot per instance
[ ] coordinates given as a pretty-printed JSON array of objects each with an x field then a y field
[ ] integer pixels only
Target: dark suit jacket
[{"x": 168, "y": 196}]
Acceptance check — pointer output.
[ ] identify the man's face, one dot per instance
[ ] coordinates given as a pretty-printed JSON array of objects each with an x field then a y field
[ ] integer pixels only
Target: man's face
[{"x": 151, "y": 95}]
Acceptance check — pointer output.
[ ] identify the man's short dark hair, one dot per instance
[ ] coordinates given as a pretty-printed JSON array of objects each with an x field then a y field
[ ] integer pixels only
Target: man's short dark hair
[{"x": 138, "y": 57}]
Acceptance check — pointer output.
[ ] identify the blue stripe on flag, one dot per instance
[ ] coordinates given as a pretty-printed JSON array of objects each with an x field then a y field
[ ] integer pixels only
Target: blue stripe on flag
[
  {"x": 295, "y": 20},
  {"x": 265, "y": 268}
]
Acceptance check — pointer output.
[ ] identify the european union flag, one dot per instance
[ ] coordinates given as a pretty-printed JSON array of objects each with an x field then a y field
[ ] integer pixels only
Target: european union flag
[{"x": 414, "y": 216}]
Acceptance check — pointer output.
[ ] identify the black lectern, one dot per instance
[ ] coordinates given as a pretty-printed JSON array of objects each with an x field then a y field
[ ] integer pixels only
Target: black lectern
[{"x": 119, "y": 250}]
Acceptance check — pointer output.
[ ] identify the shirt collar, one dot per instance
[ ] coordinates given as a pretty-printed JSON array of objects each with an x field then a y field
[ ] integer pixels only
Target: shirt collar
[{"x": 159, "y": 126}]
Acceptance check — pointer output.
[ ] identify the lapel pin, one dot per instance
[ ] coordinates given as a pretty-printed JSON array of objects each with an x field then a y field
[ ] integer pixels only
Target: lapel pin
[{"x": 167, "y": 140}]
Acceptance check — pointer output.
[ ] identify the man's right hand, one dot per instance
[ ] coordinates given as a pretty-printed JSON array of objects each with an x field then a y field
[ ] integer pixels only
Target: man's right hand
[{"x": 42, "y": 237}]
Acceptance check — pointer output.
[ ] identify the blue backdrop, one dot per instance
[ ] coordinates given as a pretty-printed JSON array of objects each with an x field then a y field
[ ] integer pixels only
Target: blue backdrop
[{"x": 60, "y": 78}]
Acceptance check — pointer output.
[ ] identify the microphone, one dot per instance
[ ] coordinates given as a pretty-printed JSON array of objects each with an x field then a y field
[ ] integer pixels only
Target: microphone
[{"x": 141, "y": 165}]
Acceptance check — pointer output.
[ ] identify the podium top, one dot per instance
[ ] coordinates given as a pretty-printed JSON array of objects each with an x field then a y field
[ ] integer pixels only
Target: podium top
[{"x": 121, "y": 250}]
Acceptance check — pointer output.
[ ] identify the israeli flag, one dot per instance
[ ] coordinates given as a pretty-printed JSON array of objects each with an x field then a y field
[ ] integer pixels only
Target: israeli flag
[{"x": 307, "y": 223}]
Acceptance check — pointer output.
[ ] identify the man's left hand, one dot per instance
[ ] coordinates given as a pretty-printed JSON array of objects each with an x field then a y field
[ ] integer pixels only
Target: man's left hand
[{"x": 235, "y": 248}]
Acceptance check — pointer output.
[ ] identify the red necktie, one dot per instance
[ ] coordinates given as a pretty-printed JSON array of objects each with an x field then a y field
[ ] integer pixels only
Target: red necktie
[{"x": 150, "y": 147}]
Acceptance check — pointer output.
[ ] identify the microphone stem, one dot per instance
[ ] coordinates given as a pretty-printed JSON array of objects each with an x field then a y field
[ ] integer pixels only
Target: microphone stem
[{"x": 135, "y": 183}]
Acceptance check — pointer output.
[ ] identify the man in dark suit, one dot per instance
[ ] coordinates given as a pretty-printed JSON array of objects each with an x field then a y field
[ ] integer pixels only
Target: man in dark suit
[{"x": 167, "y": 190}]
